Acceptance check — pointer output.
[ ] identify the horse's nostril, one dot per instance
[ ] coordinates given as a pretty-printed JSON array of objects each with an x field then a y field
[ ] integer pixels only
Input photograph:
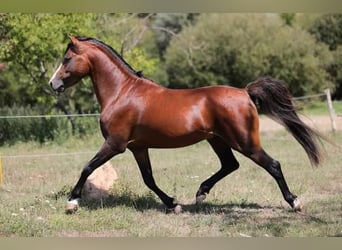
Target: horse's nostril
[{"x": 61, "y": 89}]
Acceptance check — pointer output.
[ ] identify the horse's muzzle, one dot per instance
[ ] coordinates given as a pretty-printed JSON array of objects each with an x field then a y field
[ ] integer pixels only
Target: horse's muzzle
[{"x": 57, "y": 86}]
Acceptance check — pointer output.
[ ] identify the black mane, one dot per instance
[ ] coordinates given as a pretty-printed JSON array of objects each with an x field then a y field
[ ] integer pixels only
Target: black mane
[{"x": 112, "y": 51}]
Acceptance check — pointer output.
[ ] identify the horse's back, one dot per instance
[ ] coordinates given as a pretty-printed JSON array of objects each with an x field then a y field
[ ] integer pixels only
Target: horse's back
[
  {"x": 173, "y": 118},
  {"x": 201, "y": 104}
]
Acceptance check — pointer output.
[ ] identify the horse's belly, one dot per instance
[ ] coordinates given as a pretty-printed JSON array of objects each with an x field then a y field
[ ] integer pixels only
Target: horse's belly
[{"x": 155, "y": 139}]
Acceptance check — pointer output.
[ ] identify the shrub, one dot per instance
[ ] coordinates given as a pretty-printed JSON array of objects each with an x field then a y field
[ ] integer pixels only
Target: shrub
[
  {"x": 40, "y": 129},
  {"x": 234, "y": 49}
]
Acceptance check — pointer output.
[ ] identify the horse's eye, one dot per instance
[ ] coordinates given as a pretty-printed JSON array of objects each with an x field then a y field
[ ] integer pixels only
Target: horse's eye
[{"x": 66, "y": 60}]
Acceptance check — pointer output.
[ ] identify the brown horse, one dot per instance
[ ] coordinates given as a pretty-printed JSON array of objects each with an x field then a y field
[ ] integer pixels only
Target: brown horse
[{"x": 138, "y": 114}]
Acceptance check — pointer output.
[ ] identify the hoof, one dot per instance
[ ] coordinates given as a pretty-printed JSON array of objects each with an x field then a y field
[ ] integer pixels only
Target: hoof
[
  {"x": 200, "y": 198},
  {"x": 71, "y": 206},
  {"x": 297, "y": 206},
  {"x": 178, "y": 209}
]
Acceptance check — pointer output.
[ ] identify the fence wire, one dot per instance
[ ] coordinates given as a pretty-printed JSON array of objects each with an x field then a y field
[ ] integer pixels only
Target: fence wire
[
  {"x": 47, "y": 116},
  {"x": 46, "y": 155}
]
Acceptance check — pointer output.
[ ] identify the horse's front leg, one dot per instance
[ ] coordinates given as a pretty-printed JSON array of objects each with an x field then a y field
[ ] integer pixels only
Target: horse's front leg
[{"x": 106, "y": 152}]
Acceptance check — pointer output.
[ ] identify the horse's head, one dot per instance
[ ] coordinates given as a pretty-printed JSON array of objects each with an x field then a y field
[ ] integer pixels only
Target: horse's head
[{"x": 73, "y": 68}]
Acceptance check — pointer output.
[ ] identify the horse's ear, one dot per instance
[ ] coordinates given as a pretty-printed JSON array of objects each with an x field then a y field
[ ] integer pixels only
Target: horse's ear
[{"x": 73, "y": 39}]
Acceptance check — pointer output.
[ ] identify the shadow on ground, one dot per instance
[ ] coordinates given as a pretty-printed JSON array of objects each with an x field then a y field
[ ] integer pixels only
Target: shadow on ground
[
  {"x": 271, "y": 220},
  {"x": 150, "y": 202},
  {"x": 274, "y": 218}
]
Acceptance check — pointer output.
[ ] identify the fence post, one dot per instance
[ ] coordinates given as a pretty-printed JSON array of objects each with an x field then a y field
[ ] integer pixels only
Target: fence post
[{"x": 331, "y": 110}]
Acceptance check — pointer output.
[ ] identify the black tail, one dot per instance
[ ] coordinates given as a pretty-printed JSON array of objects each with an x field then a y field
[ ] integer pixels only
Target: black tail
[{"x": 274, "y": 100}]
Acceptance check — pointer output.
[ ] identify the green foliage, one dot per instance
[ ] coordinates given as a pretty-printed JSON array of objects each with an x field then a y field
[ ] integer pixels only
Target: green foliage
[
  {"x": 288, "y": 18},
  {"x": 335, "y": 71},
  {"x": 14, "y": 130},
  {"x": 234, "y": 49},
  {"x": 126, "y": 33},
  {"x": 32, "y": 46},
  {"x": 327, "y": 29},
  {"x": 10, "y": 93},
  {"x": 167, "y": 25}
]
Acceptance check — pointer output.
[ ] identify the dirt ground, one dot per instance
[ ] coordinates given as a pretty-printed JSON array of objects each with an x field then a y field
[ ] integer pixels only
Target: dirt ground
[{"x": 319, "y": 122}]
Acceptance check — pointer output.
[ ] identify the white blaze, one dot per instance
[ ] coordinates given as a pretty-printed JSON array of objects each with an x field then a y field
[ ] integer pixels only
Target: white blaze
[
  {"x": 56, "y": 83},
  {"x": 54, "y": 74}
]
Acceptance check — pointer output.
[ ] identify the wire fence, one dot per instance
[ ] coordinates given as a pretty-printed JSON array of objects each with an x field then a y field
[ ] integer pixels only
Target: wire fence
[
  {"x": 47, "y": 155},
  {"x": 308, "y": 96},
  {"x": 47, "y": 116}
]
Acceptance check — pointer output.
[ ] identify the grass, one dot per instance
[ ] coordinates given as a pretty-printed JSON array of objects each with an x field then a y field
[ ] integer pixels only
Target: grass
[
  {"x": 319, "y": 108},
  {"x": 246, "y": 203}
]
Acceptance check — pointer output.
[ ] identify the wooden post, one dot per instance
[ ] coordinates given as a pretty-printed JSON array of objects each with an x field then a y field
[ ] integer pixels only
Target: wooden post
[{"x": 331, "y": 110}]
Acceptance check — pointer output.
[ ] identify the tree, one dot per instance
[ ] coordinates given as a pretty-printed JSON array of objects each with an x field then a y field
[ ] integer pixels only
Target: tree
[
  {"x": 167, "y": 25},
  {"x": 234, "y": 49},
  {"x": 327, "y": 29},
  {"x": 32, "y": 46},
  {"x": 336, "y": 72}
]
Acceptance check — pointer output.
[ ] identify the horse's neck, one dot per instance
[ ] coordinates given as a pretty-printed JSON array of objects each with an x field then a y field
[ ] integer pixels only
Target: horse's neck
[{"x": 109, "y": 78}]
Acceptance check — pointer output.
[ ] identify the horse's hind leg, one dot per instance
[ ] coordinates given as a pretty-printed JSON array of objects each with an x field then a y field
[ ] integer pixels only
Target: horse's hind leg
[
  {"x": 144, "y": 163},
  {"x": 228, "y": 165},
  {"x": 273, "y": 168}
]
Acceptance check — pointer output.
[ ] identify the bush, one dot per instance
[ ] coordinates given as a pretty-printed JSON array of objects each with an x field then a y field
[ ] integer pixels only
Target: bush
[
  {"x": 234, "y": 49},
  {"x": 44, "y": 129},
  {"x": 327, "y": 29}
]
